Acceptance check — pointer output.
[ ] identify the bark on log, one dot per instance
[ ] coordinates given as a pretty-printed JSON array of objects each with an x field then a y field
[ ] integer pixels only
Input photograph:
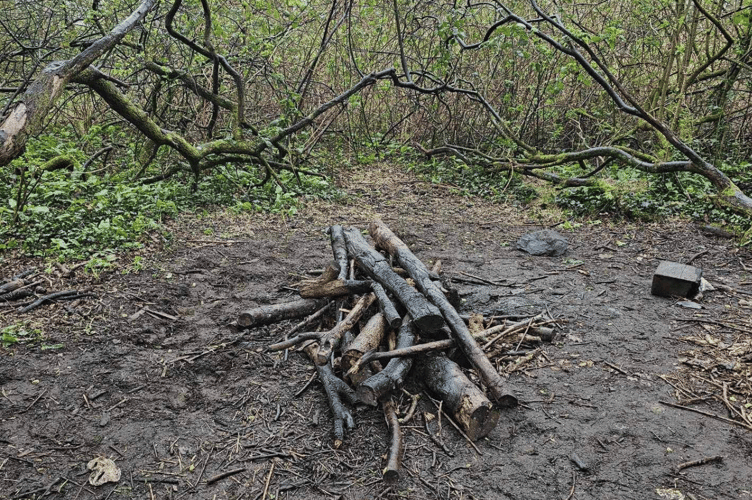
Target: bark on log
[
  {"x": 396, "y": 371},
  {"x": 386, "y": 307},
  {"x": 336, "y": 288},
  {"x": 16, "y": 294},
  {"x": 331, "y": 339},
  {"x": 335, "y": 389},
  {"x": 426, "y": 316},
  {"x": 469, "y": 407},
  {"x": 12, "y": 285},
  {"x": 272, "y": 313},
  {"x": 368, "y": 339},
  {"x": 394, "y": 456},
  {"x": 339, "y": 249},
  {"x": 386, "y": 239}
]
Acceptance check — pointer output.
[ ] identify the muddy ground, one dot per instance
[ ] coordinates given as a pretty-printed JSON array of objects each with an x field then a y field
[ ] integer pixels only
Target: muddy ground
[{"x": 178, "y": 402}]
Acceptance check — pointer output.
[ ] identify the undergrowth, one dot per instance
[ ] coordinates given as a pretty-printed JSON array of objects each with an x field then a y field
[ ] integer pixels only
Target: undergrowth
[
  {"x": 74, "y": 214},
  {"x": 619, "y": 193}
]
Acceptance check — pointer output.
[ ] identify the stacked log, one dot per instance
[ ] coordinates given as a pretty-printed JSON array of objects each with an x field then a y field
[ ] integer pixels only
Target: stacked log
[{"x": 392, "y": 311}]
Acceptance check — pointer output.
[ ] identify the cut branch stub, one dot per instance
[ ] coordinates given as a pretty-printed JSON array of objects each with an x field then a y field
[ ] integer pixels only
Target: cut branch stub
[
  {"x": 387, "y": 240},
  {"x": 396, "y": 370},
  {"x": 394, "y": 456},
  {"x": 425, "y": 315},
  {"x": 469, "y": 407},
  {"x": 272, "y": 313}
]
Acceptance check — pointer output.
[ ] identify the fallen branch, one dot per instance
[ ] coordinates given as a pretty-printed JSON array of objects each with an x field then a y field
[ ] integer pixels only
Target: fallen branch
[
  {"x": 425, "y": 315},
  {"x": 335, "y": 389},
  {"x": 702, "y": 461},
  {"x": 51, "y": 296},
  {"x": 394, "y": 456}
]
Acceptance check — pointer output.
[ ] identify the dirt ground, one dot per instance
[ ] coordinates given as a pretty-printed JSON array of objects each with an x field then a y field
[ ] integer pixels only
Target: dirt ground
[{"x": 178, "y": 400}]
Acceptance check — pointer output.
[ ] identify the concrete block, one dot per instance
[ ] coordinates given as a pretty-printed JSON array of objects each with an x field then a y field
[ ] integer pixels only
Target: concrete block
[{"x": 674, "y": 279}]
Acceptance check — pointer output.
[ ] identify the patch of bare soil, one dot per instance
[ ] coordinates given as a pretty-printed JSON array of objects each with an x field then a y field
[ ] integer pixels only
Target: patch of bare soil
[{"x": 188, "y": 408}]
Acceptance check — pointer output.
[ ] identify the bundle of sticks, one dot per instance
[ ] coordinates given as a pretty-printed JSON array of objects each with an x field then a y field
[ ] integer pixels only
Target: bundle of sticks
[{"x": 400, "y": 314}]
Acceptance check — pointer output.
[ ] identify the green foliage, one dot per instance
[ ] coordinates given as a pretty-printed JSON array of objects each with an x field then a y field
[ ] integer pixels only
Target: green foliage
[
  {"x": 19, "y": 333},
  {"x": 72, "y": 214}
]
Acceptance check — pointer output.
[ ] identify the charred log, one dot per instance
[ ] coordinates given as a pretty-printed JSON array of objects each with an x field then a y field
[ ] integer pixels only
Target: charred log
[
  {"x": 469, "y": 407},
  {"x": 425, "y": 315},
  {"x": 272, "y": 313},
  {"x": 387, "y": 240}
]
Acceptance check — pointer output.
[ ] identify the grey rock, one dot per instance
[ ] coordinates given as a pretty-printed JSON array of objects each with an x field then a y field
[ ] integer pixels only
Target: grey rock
[{"x": 544, "y": 242}]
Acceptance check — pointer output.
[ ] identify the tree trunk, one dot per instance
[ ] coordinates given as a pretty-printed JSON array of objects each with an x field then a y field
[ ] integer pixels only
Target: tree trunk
[{"x": 30, "y": 115}]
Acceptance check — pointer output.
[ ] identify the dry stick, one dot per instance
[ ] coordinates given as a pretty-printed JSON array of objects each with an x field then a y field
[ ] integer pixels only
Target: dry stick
[
  {"x": 707, "y": 414},
  {"x": 426, "y": 316},
  {"x": 436, "y": 345},
  {"x": 35, "y": 401},
  {"x": 702, "y": 461},
  {"x": 42, "y": 300},
  {"x": 574, "y": 482},
  {"x": 436, "y": 440},
  {"x": 386, "y": 307},
  {"x": 483, "y": 280},
  {"x": 615, "y": 368},
  {"x": 470, "y": 348},
  {"x": 394, "y": 456},
  {"x": 711, "y": 322},
  {"x": 307, "y": 384},
  {"x": 224, "y": 475},
  {"x": 268, "y": 480}
]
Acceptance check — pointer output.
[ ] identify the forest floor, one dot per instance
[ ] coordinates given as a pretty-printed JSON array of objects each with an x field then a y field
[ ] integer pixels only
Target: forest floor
[{"x": 178, "y": 400}]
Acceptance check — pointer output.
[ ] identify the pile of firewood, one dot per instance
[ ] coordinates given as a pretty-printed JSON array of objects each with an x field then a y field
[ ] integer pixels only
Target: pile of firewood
[{"x": 401, "y": 314}]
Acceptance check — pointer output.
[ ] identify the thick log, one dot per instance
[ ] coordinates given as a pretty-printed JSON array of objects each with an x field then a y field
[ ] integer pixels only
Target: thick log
[
  {"x": 396, "y": 370},
  {"x": 368, "y": 339},
  {"x": 335, "y": 390},
  {"x": 394, "y": 456},
  {"x": 339, "y": 249},
  {"x": 467, "y": 404},
  {"x": 16, "y": 294},
  {"x": 336, "y": 288},
  {"x": 386, "y": 306},
  {"x": 272, "y": 313},
  {"x": 387, "y": 240},
  {"x": 12, "y": 285},
  {"x": 426, "y": 316}
]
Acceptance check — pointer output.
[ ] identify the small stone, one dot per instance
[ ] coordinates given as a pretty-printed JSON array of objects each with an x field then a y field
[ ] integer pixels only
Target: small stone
[{"x": 544, "y": 242}]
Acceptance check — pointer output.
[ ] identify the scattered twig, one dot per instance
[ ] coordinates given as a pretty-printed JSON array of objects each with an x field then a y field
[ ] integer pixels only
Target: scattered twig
[
  {"x": 224, "y": 475},
  {"x": 457, "y": 427},
  {"x": 695, "y": 256},
  {"x": 35, "y": 401},
  {"x": 702, "y": 461},
  {"x": 707, "y": 414},
  {"x": 268, "y": 480},
  {"x": 615, "y": 368},
  {"x": 574, "y": 483}
]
